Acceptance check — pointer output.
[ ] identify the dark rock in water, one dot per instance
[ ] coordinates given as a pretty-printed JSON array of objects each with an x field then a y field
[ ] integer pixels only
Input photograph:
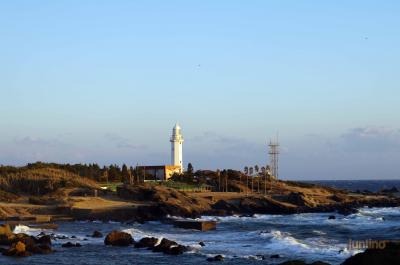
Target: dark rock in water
[
  {"x": 70, "y": 245},
  {"x": 17, "y": 249},
  {"x": 202, "y": 244},
  {"x": 146, "y": 242},
  {"x": 216, "y": 258},
  {"x": 276, "y": 256},
  {"x": 176, "y": 250},
  {"x": 248, "y": 215},
  {"x": 332, "y": 217},
  {"x": 347, "y": 211},
  {"x": 73, "y": 236},
  {"x": 301, "y": 262},
  {"x": 7, "y": 240},
  {"x": 97, "y": 234},
  {"x": 388, "y": 255},
  {"x": 60, "y": 237},
  {"x": 164, "y": 245},
  {"x": 29, "y": 241},
  {"x": 293, "y": 262},
  {"x": 262, "y": 257},
  {"x": 118, "y": 238},
  {"x": 44, "y": 240},
  {"x": 196, "y": 225},
  {"x": 41, "y": 249}
]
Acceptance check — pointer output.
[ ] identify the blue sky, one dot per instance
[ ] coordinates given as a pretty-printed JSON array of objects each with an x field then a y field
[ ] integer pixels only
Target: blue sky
[{"x": 105, "y": 81}]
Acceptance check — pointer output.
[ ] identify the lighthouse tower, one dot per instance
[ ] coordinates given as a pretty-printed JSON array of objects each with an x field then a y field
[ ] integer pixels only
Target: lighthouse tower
[{"x": 176, "y": 147}]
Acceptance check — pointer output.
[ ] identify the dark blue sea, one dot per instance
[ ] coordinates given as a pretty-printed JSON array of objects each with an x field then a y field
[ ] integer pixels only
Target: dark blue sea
[
  {"x": 241, "y": 240},
  {"x": 354, "y": 185}
]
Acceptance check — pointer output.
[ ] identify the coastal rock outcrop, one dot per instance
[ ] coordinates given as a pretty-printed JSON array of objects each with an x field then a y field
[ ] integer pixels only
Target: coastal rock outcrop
[
  {"x": 23, "y": 245},
  {"x": 390, "y": 254},
  {"x": 118, "y": 238},
  {"x": 216, "y": 258},
  {"x": 164, "y": 245},
  {"x": 97, "y": 234},
  {"x": 146, "y": 242},
  {"x": 302, "y": 262},
  {"x": 71, "y": 245},
  {"x": 17, "y": 249},
  {"x": 300, "y": 199},
  {"x": 168, "y": 247}
]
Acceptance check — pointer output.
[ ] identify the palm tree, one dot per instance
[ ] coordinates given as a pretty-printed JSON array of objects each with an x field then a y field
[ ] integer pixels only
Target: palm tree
[
  {"x": 256, "y": 169},
  {"x": 267, "y": 173},
  {"x": 265, "y": 179},
  {"x": 219, "y": 179},
  {"x": 246, "y": 171},
  {"x": 251, "y": 174}
]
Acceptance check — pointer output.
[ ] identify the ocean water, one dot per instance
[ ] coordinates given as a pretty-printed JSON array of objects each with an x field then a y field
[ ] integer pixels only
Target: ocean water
[
  {"x": 310, "y": 237},
  {"x": 354, "y": 185}
]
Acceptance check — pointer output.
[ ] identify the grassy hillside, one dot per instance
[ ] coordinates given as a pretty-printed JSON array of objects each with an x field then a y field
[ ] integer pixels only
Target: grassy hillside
[{"x": 42, "y": 181}]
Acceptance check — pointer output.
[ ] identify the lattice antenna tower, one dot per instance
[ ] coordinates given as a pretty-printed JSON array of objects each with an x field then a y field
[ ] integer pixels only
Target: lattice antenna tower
[{"x": 274, "y": 157}]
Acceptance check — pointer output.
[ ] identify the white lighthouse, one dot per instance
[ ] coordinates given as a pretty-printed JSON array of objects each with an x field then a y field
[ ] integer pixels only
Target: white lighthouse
[{"x": 176, "y": 147}]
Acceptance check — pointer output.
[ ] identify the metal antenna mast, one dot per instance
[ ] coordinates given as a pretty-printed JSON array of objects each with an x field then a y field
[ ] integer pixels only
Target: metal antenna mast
[{"x": 274, "y": 157}]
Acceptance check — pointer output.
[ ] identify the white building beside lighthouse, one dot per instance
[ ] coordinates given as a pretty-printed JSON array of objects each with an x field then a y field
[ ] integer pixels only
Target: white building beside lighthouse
[{"x": 176, "y": 147}]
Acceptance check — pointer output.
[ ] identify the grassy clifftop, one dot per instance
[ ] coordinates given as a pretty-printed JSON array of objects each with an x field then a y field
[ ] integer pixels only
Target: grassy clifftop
[{"x": 42, "y": 181}]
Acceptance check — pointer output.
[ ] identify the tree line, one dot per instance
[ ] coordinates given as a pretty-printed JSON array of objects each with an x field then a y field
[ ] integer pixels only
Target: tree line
[{"x": 111, "y": 173}]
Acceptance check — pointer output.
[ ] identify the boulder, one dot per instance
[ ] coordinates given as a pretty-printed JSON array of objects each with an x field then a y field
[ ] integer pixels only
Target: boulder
[
  {"x": 146, "y": 242},
  {"x": 294, "y": 262},
  {"x": 70, "y": 245},
  {"x": 5, "y": 229},
  {"x": 176, "y": 250},
  {"x": 216, "y": 258},
  {"x": 97, "y": 234},
  {"x": 7, "y": 240},
  {"x": 28, "y": 240},
  {"x": 347, "y": 210},
  {"x": 275, "y": 256},
  {"x": 332, "y": 217},
  {"x": 118, "y": 238},
  {"x": 196, "y": 225},
  {"x": 17, "y": 249},
  {"x": 201, "y": 243},
  {"x": 44, "y": 240},
  {"x": 40, "y": 249},
  {"x": 164, "y": 245},
  {"x": 390, "y": 254},
  {"x": 301, "y": 262}
]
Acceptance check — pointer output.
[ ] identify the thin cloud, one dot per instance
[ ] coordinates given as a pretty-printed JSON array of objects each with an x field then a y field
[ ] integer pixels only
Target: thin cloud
[
  {"x": 371, "y": 139},
  {"x": 121, "y": 142}
]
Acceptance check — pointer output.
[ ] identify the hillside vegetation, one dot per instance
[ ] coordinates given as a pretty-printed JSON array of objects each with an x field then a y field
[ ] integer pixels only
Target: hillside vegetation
[{"x": 42, "y": 181}]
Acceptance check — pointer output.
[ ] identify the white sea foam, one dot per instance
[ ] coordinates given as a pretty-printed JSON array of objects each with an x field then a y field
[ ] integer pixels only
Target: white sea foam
[{"x": 26, "y": 230}]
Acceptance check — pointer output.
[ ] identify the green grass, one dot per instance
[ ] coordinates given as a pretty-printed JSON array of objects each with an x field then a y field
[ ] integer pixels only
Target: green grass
[
  {"x": 111, "y": 186},
  {"x": 182, "y": 186}
]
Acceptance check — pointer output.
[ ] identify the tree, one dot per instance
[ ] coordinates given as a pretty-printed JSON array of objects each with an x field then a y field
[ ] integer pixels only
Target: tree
[
  {"x": 190, "y": 169},
  {"x": 256, "y": 168},
  {"x": 246, "y": 170},
  {"x": 131, "y": 175},
  {"x": 125, "y": 174}
]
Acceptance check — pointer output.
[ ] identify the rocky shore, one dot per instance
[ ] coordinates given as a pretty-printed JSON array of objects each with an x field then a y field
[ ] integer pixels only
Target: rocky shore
[{"x": 142, "y": 203}]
